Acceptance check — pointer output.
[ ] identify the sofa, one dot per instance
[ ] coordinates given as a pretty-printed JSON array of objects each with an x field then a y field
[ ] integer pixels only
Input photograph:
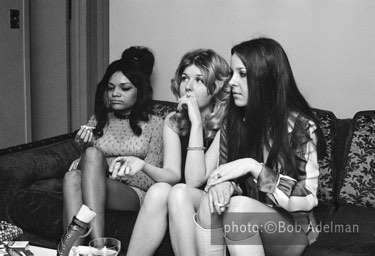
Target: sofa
[{"x": 31, "y": 188}]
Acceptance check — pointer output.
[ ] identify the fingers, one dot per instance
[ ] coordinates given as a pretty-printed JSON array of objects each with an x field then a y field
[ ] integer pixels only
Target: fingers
[
  {"x": 219, "y": 197},
  {"x": 216, "y": 204},
  {"x": 84, "y": 135},
  {"x": 112, "y": 166},
  {"x": 227, "y": 193},
  {"x": 181, "y": 104},
  {"x": 119, "y": 168},
  {"x": 87, "y": 136},
  {"x": 110, "y": 169},
  {"x": 185, "y": 100},
  {"x": 210, "y": 202},
  {"x": 121, "y": 172},
  {"x": 115, "y": 169},
  {"x": 218, "y": 176},
  {"x": 212, "y": 181},
  {"x": 217, "y": 201},
  {"x": 127, "y": 169}
]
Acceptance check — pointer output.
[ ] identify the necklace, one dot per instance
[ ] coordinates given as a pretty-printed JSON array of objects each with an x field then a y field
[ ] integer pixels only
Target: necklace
[{"x": 121, "y": 116}]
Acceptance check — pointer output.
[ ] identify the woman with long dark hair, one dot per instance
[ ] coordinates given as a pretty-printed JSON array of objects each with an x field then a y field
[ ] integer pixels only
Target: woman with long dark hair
[{"x": 268, "y": 164}]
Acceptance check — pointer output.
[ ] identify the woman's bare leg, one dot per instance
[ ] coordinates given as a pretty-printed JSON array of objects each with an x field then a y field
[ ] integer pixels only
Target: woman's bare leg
[
  {"x": 93, "y": 166},
  {"x": 183, "y": 201},
  {"x": 209, "y": 231},
  {"x": 121, "y": 197},
  {"x": 153, "y": 217},
  {"x": 72, "y": 198},
  {"x": 263, "y": 229}
]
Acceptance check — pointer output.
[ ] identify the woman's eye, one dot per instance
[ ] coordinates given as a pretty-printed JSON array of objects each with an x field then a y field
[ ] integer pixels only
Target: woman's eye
[
  {"x": 242, "y": 74},
  {"x": 125, "y": 89},
  {"x": 200, "y": 80},
  {"x": 184, "y": 78}
]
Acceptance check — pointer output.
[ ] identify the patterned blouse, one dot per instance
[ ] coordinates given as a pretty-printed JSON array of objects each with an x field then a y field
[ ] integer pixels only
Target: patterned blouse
[
  {"x": 119, "y": 140},
  {"x": 297, "y": 196}
]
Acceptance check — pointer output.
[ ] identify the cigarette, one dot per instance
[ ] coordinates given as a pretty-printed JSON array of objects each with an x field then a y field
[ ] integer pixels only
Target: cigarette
[{"x": 88, "y": 127}]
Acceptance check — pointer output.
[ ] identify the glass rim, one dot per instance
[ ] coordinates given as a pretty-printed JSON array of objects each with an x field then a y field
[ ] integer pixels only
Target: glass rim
[{"x": 116, "y": 242}]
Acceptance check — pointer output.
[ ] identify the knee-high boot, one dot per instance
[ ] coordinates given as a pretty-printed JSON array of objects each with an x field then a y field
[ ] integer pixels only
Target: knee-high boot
[
  {"x": 210, "y": 242},
  {"x": 250, "y": 246}
]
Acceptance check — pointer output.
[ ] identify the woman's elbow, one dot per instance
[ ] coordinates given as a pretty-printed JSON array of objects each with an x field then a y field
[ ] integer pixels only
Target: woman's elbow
[{"x": 174, "y": 179}]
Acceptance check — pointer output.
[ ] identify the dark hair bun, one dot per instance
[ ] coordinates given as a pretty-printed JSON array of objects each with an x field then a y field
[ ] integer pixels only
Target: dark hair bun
[{"x": 142, "y": 55}]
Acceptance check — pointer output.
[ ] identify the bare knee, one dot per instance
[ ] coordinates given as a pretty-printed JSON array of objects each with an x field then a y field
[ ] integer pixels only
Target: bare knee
[
  {"x": 237, "y": 204},
  {"x": 72, "y": 180},
  {"x": 241, "y": 211},
  {"x": 157, "y": 197},
  {"x": 204, "y": 215},
  {"x": 178, "y": 196},
  {"x": 93, "y": 154}
]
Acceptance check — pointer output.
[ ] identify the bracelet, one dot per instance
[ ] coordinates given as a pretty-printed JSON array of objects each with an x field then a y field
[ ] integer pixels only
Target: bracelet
[{"x": 196, "y": 148}]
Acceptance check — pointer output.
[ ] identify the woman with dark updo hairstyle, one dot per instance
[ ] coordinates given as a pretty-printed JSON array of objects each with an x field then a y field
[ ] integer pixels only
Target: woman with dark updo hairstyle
[{"x": 121, "y": 126}]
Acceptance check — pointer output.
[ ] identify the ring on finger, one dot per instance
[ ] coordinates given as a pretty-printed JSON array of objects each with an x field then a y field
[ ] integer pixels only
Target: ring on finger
[{"x": 221, "y": 205}]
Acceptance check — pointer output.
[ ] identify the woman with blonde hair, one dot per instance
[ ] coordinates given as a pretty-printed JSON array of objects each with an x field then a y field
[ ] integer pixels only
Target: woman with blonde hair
[{"x": 198, "y": 83}]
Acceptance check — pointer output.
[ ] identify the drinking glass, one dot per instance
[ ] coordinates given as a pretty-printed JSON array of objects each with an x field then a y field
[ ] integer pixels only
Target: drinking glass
[{"x": 105, "y": 246}]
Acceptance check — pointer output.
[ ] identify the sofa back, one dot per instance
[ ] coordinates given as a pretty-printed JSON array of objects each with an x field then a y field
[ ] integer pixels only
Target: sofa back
[
  {"x": 327, "y": 164},
  {"x": 347, "y": 171},
  {"x": 356, "y": 183}
]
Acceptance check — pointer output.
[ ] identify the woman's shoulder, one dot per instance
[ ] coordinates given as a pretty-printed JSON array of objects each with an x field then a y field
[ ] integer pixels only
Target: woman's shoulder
[
  {"x": 299, "y": 120},
  {"x": 301, "y": 127},
  {"x": 155, "y": 120},
  {"x": 168, "y": 116}
]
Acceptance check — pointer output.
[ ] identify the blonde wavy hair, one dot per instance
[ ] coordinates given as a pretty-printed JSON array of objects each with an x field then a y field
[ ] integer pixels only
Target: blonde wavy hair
[{"x": 216, "y": 75}]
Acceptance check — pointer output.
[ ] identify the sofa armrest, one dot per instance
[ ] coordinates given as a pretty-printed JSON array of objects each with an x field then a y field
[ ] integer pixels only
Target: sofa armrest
[
  {"x": 25, "y": 167},
  {"x": 20, "y": 169}
]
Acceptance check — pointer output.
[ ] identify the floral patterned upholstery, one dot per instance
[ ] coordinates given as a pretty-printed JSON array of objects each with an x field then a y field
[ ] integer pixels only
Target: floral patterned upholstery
[
  {"x": 162, "y": 108},
  {"x": 326, "y": 167},
  {"x": 358, "y": 180}
]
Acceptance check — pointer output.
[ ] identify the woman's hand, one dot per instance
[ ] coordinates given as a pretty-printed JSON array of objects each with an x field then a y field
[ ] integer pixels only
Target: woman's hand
[
  {"x": 84, "y": 137},
  {"x": 219, "y": 197},
  {"x": 189, "y": 102},
  {"x": 232, "y": 170},
  {"x": 125, "y": 165}
]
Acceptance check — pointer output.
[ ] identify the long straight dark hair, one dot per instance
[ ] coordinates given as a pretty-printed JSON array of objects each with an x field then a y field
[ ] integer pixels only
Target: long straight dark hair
[
  {"x": 272, "y": 95},
  {"x": 132, "y": 70}
]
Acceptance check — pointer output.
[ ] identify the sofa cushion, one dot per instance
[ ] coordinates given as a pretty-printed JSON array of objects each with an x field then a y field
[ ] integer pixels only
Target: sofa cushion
[
  {"x": 25, "y": 164},
  {"x": 324, "y": 212},
  {"x": 351, "y": 232},
  {"x": 43, "y": 198},
  {"x": 326, "y": 165},
  {"x": 38, "y": 211},
  {"x": 357, "y": 182}
]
